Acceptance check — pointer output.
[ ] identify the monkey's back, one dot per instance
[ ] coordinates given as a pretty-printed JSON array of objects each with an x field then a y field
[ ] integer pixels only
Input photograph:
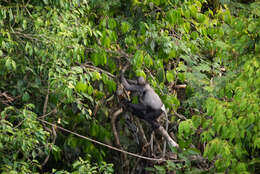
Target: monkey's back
[{"x": 152, "y": 99}]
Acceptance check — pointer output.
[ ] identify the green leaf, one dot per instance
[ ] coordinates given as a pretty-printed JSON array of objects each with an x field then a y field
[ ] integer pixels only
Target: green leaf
[
  {"x": 160, "y": 169},
  {"x": 194, "y": 35},
  {"x": 160, "y": 75},
  {"x": 140, "y": 73},
  {"x": 174, "y": 16},
  {"x": 25, "y": 97},
  {"x": 96, "y": 75},
  {"x": 138, "y": 58},
  {"x": 111, "y": 23},
  {"x": 130, "y": 41},
  {"x": 181, "y": 77},
  {"x": 186, "y": 128},
  {"x": 125, "y": 27},
  {"x": 148, "y": 60},
  {"x": 171, "y": 102},
  {"x": 193, "y": 11},
  {"x": 170, "y": 76},
  {"x": 77, "y": 69},
  {"x": 201, "y": 17},
  {"x": 106, "y": 41},
  {"x": 252, "y": 27},
  {"x": 229, "y": 113},
  {"x": 187, "y": 14},
  {"x": 143, "y": 27},
  {"x": 170, "y": 17},
  {"x": 210, "y": 105},
  {"x": 90, "y": 90},
  {"x": 171, "y": 165},
  {"x": 196, "y": 120},
  {"x": 81, "y": 87},
  {"x": 46, "y": 2},
  {"x": 11, "y": 16},
  {"x": 173, "y": 53},
  {"x": 186, "y": 27},
  {"x": 8, "y": 63},
  {"x": 68, "y": 92}
]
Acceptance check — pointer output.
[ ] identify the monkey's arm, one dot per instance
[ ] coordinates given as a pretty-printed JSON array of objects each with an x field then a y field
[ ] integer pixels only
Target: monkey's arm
[
  {"x": 128, "y": 86},
  {"x": 132, "y": 81}
]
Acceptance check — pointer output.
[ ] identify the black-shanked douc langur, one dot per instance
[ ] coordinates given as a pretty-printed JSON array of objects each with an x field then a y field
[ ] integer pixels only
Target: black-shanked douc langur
[{"x": 150, "y": 106}]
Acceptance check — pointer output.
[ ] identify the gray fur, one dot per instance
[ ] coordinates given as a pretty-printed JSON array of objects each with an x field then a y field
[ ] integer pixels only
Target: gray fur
[{"x": 148, "y": 97}]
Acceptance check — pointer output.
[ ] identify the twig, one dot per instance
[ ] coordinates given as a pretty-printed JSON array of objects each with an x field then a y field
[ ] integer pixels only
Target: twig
[
  {"x": 166, "y": 127},
  {"x": 53, "y": 111},
  {"x": 180, "y": 86},
  {"x": 7, "y": 97},
  {"x": 159, "y": 149},
  {"x": 144, "y": 139},
  {"x": 46, "y": 100},
  {"x": 137, "y": 162},
  {"x": 53, "y": 142},
  {"x": 113, "y": 120},
  {"x": 180, "y": 116},
  {"x": 98, "y": 69},
  {"x": 19, "y": 124},
  {"x": 151, "y": 142}
]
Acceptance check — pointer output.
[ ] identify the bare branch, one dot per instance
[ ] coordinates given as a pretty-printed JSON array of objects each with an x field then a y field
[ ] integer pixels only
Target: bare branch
[
  {"x": 113, "y": 120},
  {"x": 46, "y": 100},
  {"x": 165, "y": 134},
  {"x": 98, "y": 69},
  {"x": 180, "y": 116},
  {"x": 180, "y": 86}
]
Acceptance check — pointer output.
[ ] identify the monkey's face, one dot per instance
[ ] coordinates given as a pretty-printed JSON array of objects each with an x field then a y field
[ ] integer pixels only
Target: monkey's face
[{"x": 140, "y": 81}]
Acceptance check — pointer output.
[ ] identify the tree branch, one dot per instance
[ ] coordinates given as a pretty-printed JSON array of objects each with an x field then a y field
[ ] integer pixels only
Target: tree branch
[{"x": 165, "y": 134}]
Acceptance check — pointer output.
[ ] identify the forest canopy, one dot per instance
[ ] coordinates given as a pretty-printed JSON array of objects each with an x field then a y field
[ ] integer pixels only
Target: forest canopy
[{"x": 60, "y": 67}]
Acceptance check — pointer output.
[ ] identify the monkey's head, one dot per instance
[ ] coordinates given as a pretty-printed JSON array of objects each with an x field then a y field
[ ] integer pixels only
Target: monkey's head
[{"x": 140, "y": 81}]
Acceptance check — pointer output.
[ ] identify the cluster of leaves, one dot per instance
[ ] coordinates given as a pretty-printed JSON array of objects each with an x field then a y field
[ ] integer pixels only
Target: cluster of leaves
[
  {"x": 81, "y": 166},
  {"x": 230, "y": 127},
  {"x": 64, "y": 57},
  {"x": 23, "y": 142}
]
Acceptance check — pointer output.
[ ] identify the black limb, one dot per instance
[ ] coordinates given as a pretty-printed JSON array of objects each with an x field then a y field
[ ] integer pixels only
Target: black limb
[
  {"x": 143, "y": 112},
  {"x": 151, "y": 117},
  {"x": 138, "y": 109}
]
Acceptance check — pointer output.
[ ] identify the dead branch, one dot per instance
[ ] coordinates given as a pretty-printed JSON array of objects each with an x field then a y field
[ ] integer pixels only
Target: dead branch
[
  {"x": 165, "y": 134},
  {"x": 97, "y": 69},
  {"x": 166, "y": 127},
  {"x": 53, "y": 142},
  {"x": 46, "y": 100},
  {"x": 144, "y": 139},
  {"x": 7, "y": 100},
  {"x": 180, "y": 86},
  {"x": 113, "y": 120},
  {"x": 180, "y": 116},
  {"x": 151, "y": 142}
]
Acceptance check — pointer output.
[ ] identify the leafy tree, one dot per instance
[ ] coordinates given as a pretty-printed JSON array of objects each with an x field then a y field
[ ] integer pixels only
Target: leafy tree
[{"x": 60, "y": 62}]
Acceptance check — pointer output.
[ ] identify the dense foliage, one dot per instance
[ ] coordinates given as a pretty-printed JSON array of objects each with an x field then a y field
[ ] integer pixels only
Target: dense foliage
[{"x": 60, "y": 61}]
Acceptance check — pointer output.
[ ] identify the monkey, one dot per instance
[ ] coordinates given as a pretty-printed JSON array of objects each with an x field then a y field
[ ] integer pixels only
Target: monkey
[{"x": 150, "y": 106}]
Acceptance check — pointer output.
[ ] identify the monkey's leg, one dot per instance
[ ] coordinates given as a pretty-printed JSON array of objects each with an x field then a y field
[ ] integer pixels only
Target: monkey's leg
[
  {"x": 143, "y": 112},
  {"x": 138, "y": 109},
  {"x": 151, "y": 117}
]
